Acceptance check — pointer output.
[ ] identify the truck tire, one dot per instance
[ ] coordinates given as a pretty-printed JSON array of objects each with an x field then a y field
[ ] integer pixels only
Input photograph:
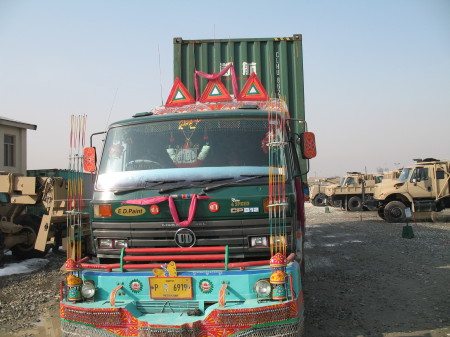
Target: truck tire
[
  {"x": 355, "y": 204},
  {"x": 319, "y": 200},
  {"x": 395, "y": 212},
  {"x": 31, "y": 225}
]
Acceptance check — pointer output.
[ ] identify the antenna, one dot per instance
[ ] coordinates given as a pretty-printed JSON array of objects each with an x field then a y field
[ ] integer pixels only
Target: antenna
[
  {"x": 112, "y": 106},
  {"x": 160, "y": 75}
]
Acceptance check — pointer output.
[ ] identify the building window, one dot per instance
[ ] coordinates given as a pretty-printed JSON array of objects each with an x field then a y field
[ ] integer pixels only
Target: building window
[{"x": 10, "y": 147}]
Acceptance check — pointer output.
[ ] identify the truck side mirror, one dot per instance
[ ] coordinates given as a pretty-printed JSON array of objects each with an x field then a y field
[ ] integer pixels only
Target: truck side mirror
[
  {"x": 307, "y": 144},
  {"x": 89, "y": 159}
]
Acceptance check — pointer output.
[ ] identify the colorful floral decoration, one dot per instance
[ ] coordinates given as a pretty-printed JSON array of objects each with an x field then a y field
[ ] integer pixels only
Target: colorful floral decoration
[
  {"x": 206, "y": 286},
  {"x": 279, "y": 292},
  {"x": 278, "y": 262},
  {"x": 73, "y": 280},
  {"x": 136, "y": 286}
]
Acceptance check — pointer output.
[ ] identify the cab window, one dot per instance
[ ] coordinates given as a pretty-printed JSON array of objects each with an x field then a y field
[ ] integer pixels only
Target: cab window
[
  {"x": 440, "y": 174},
  {"x": 350, "y": 181},
  {"x": 420, "y": 173}
]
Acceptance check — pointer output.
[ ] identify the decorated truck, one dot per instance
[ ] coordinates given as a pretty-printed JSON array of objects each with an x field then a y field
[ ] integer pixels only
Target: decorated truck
[{"x": 197, "y": 215}]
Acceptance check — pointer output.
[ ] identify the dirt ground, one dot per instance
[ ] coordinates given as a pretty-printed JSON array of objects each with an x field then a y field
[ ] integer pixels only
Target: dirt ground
[{"x": 362, "y": 279}]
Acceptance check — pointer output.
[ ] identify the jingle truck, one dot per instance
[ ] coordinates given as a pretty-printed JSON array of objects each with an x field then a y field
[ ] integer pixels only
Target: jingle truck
[
  {"x": 423, "y": 187},
  {"x": 197, "y": 215}
]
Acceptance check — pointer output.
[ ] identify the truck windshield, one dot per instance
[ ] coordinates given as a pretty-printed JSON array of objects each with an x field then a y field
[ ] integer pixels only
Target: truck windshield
[
  {"x": 405, "y": 174},
  {"x": 190, "y": 150},
  {"x": 349, "y": 181}
]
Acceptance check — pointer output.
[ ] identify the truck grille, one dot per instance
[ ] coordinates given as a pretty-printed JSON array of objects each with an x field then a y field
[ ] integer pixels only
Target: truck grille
[{"x": 234, "y": 233}]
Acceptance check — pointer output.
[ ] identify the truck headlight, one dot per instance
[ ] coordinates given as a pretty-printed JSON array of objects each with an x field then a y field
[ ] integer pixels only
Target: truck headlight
[
  {"x": 105, "y": 243},
  {"x": 259, "y": 242},
  {"x": 88, "y": 289},
  {"x": 263, "y": 288},
  {"x": 119, "y": 244},
  {"x": 112, "y": 243}
]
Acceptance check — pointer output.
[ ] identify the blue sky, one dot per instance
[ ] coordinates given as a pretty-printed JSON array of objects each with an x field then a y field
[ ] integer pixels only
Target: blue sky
[{"x": 377, "y": 73}]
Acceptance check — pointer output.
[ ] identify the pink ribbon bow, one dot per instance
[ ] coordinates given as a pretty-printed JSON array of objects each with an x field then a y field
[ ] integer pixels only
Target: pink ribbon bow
[{"x": 172, "y": 207}]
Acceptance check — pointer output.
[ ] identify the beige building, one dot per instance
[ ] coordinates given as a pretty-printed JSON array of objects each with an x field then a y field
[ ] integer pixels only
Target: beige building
[{"x": 13, "y": 149}]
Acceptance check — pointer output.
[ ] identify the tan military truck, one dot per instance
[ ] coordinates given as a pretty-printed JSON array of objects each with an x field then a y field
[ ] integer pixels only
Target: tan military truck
[
  {"x": 317, "y": 190},
  {"x": 394, "y": 174},
  {"x": 352, "y": 192},
  {"x": 33, "y": 214},
  {"x": 423, "y": 187}
]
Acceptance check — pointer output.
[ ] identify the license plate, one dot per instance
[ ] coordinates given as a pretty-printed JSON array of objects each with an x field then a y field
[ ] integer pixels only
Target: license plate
[{"x": 170, "y": 287}]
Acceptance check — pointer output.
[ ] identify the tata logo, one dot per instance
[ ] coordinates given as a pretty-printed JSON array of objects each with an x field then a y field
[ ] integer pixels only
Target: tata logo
[{"x": 185, "y": 238}]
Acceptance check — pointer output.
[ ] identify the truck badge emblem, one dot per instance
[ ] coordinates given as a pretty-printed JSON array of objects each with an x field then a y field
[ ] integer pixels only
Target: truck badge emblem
[{"x": 185, "y": 238}]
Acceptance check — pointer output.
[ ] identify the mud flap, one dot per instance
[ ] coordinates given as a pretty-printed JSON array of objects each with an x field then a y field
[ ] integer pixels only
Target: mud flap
[{"x": 42, "y": 237}]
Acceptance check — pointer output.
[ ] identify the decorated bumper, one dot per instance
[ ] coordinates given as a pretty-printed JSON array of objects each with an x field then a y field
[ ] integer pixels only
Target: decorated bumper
[{"x": 193, "y": 303}]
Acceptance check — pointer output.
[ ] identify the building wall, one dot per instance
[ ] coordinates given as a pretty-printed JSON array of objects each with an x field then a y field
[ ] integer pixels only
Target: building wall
[{"x": 20, "y": 149}]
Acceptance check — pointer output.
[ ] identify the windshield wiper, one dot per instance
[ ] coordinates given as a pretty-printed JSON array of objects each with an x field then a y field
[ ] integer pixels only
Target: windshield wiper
[
  {"x": 202, "y": 181},
  {"x": 248, "y": 178},
  {"x": 155, "y": 183}
]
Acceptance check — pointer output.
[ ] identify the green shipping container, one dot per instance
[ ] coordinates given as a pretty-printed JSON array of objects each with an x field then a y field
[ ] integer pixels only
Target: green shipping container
[{"x": 278, "y": 62}]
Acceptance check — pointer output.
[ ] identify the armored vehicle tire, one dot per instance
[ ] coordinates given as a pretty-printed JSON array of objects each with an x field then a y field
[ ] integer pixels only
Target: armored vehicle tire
[
  {"x": 26, "y": 250},
  {"x": 395, "y": 212},
  {"x": 319, "y": 200},
  {"x": 354, "y": 204}
]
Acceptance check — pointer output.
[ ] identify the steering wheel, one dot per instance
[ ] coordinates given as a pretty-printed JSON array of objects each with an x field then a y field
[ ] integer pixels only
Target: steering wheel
[{"x": 142, "y": 164}]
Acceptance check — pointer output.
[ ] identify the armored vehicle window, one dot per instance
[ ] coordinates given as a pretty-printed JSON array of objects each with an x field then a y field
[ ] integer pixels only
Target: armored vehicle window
[
  {"x": 405, "y": 174},
  {"x": 350, "y": 181},
  {"x": 420, "y": 173},
  {"x": 440, "y": 174}
]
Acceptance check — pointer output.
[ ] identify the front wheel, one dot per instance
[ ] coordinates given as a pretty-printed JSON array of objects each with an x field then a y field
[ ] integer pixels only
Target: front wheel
[
  {"x": 355, "y": 204},
  {"x": 320, "y": 200},
  {"x": 25, "y": 250},
  {"x": 395, "y": 212}
]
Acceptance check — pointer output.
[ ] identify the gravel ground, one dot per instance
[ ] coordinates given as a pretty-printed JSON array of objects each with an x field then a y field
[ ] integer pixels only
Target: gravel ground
[{"x": 362, "y": 279}]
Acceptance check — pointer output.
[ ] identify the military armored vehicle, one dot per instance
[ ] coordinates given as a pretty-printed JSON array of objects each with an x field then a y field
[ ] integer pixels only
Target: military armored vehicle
[
  {"x": 423, "y": 187},
  {"x": 317, "y": 190},
  {"x": 352, "y": 192},
  {"x": 33, "y": 214}
]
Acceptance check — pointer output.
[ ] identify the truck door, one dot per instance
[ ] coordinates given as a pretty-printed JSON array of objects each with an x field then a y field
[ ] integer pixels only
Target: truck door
[
  {"x": 442, "y": 181},
  {"x": 420, "y": 183}
]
